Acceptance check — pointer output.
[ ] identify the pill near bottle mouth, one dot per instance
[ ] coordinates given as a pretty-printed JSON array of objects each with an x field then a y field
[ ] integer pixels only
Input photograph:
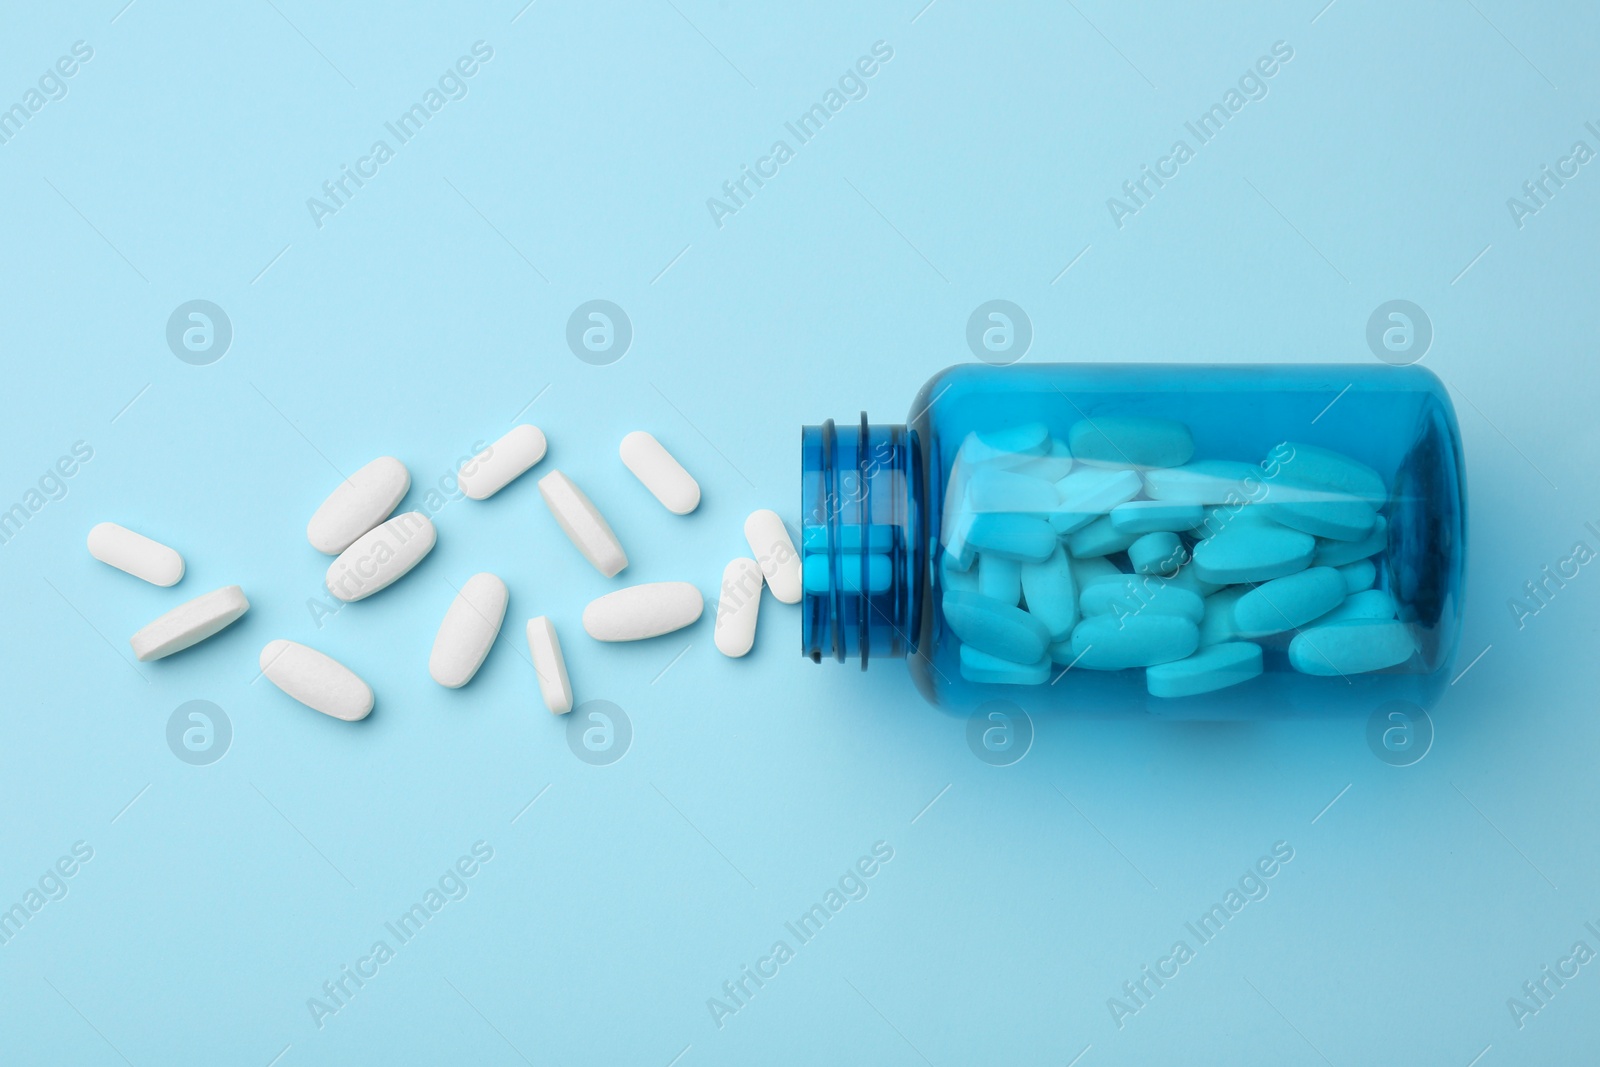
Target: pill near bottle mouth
[
  {"x": 316, "y": 680},
  {"x": 190, "y": 623},
  {"x": 357, "y": 504},
  {"x": 135, "y": 554}
]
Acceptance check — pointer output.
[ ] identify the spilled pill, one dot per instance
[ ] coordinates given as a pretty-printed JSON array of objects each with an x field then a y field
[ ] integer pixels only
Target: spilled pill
[
  {"x": 190, "y": 623},
  {"x": 135, "y": 553},
  {"x": 316, "y": 680},
  {"x": 358, "y": 504},
  {"x": 772, "y": 548},
  {"x": 642, "y": 611},
  {"x": 381, "y": 556},
  {"x": 738, "y": 607},
  {"x": 468, "y": 631},
  {"x": 555, "y": 689},
  {"x": 583, "y": 524},
  {"x": 502, "y": 463},
  {"x": 663, "y": 475}
]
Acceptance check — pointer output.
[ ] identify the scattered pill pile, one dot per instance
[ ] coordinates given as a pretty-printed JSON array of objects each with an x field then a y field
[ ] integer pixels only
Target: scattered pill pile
[
  {"x": 374, "y": 548},
  {"x": 1115, "y": 549}
]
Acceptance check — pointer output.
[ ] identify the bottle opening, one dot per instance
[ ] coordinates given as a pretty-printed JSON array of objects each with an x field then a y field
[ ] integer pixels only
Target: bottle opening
[{"x": 860, "y": 545}]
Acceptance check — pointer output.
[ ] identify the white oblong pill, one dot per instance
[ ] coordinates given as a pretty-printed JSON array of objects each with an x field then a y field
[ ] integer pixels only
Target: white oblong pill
[
  {"x": 549, "y": 665},
  {"x": 662, "y": 474},
  {"x": 316, "y": 680},
  {"x": 360, "y": 502},
  {"x": 583, "y": 524},
  {"x": 738, "y": 606},
  {"x": 642, "y": 611},
  {"x": 470, "y": 626},
  {"x": 190, "y": 623},
  {"x": 770, "y": 544},
  {"x": 381, "y": 556},
  {"x": 502, "y": 463},
  {"x": 135, "y": 553}
]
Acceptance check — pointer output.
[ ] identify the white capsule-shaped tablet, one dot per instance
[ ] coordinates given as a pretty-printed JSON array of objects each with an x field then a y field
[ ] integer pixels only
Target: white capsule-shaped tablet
[
  {"x": 470, "y": 626},
  {"x": 502, "y": 463},
  {"x": 360, "y": 502},
  {"x": 770, "y": 544},
  {"x": 662, "y": 474},
  {"x": 190, "y": 623},
  {"x": 549, "y": 665},
  {"x": 642, "y": 611},
  {"x": 135, "y": 553},
  {"x": 316, "y": 680},
  {"x": 583, "y": 524},
  {"x": 381, "y": 556},
  {"x": 738, "y": 607}
]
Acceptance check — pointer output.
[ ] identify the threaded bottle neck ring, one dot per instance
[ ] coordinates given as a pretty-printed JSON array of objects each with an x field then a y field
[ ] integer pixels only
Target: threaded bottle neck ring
[{"x": 861, "y": 551}]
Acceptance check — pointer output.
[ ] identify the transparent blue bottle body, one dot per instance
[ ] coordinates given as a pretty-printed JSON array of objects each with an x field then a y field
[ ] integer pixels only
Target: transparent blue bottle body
[{"x": 879, "y": 546}]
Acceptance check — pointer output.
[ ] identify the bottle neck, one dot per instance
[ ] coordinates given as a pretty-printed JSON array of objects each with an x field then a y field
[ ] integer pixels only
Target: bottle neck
[{"x": 862, "y": 547}]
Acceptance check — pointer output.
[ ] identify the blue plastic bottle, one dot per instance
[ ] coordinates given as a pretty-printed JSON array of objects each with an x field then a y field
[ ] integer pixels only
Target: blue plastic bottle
[{"x": 1190, "y": 541}]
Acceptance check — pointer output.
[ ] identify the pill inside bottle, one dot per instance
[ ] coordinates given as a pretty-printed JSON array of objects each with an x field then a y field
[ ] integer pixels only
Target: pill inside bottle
[{"x": 1183, "y": 541}]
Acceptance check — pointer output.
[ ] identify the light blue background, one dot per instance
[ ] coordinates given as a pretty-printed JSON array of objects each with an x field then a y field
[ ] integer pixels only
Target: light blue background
[{"x": 431, "y": 309}]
